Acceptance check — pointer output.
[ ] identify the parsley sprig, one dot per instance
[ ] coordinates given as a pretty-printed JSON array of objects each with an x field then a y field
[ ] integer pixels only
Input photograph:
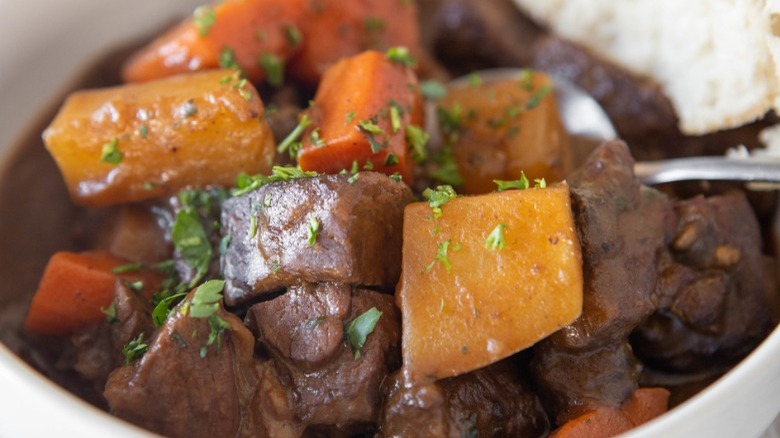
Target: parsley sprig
[{"x": 358, "y": 329}]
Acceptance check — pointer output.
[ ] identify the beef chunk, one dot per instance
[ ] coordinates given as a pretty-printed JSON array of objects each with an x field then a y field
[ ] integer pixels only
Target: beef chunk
[
  {"x": 490, "y": 402},
  {"x": 334, "y": 388},
  {"x": 99, "y": 347},
  {"x": 620, "y": 255},
  {"x": 191, "y": 222},
  {"x": 412, "y": 410},
  {"x": 468, "y": 35},
  {"x": 494, "y": 401},
  {"x": 176, "y": 390},
  {"x": 713, "y": 292},
  {"x": 356, "y": 239},
  {"x": 636, "y": 105}
]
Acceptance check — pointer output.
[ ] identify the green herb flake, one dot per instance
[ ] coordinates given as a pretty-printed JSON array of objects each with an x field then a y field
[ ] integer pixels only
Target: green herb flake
[
  {"x": 475, "y": 80},
  {"x": 526, "y": 80},
  {"x": 540, "y": 183},
  {"x": 537, "y": 97},
  {"x": 417, "y": 140},
  {"x": 400, "y": 55},
  {"x": 442, "y": 256},
  {"x": 246, "y": 183},
  {"x": 217, "y": 326},
  {"x": 391, "y": 159},
  {"x": 315, "y": 139},
  {"x": 374, "y": 24},
  {"x": 518, "y": 184},
  {"x": 433, "y": 90},
  {"x": 253, "y": 220},
  {"x": 143, "y": 130},
  {"x": 224, "y": 243},
  {"x": 370, "y": 127},
  {"x": 190, "y": 240},
  {"x": 289, "y": 143},
  {"x": 273, "y": 67},
  {"x": 395, "y": 118},
  {"x": 135, "y": 286},
  {"x": 127, "y": 268},
  {"x": 349, "y": 117},
  {"x": 447, "y": 170},
  {"x": 358, "y": 329},
  {"x": 313, "y": 230},
  {"x": 495, "y": 240},
  {"x": 110, "y": 152},
  {"x": 135, "y": 349},
  {"x": 163, "y": 308},
  {"x": 293, "y": 34},
  {"x": 353, "y": 178},
  {"x": 206, "y": 299},
  {"x": 275, "y": 267},
  {"x": 227, "y": 59},
  {"x": 436, "y": 198},
  {"x": 396, "y": 177},
  {"x": 204, "y": 19},
  {"x": 110, "y": 313},
  {"x": 369, "y": 165}
]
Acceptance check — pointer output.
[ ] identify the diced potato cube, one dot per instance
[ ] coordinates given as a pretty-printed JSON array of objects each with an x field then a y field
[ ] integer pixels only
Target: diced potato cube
[
  {"x": 490, "y": 276},
  {"x": 505, "y": 127}
]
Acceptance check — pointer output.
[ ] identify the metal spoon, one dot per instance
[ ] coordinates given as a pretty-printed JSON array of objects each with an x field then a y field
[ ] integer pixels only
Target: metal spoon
[{"x": 583, "y": 117}]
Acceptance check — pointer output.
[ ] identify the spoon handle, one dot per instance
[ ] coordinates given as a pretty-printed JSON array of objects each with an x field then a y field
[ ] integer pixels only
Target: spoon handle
[{"x": 708, "y": 168}]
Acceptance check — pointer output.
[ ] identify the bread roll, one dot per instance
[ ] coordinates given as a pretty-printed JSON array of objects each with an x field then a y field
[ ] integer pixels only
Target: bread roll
[{"x": 715, "y": 59}]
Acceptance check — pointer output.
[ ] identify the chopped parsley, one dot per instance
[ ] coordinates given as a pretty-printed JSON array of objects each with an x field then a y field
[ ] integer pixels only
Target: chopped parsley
[
  {"x": 313, "y": 229},
  {"x": 369, "y": 165},
  {"x": 537, "y": 97},
  {"x": 447, "y": 170},
  {"x": 110, "y": 153},
  {"x": 291, "y": 143},
  {"x": 227, "y": 58},
  {"x": 437, "y": 198},
  {"x": 130, "y": 267},
  {"x": 519, "y": 184},
  {"x": 143, "y": 130},
  {"x": 526, "y": 79},
  {"x": 358, "y": 329},
  {"x": 315, "y": 139},
  {"x": 433, "y": 90},
  {"x": 190, "y": 240},
  {"x": 206, "y": 299},
  {"x": 273, "y": 67},
  {"x": 370, "y": 127},
  {"x": 442, "y": 256},
  {"x": 353, "y": 178},
  {"x": 495, "y": 240},
  {"x": 134, "y": 349},
  {"x": 475, "y": 80},
  {"x": 395, "y": 118},
  {"x": 294, "y": 35},
  {"x": 417, "y": 140},
  {"x": 253, "y": 220},
  {"x": 349, "y": 117},
  {"x": 205, "y": 304},
  {"x": 110, "y": 313},
  {"x": 163, "y": 308},
  {"x": 400, "y": 55},
  {"x": 540, "y": 183},
  {"x": 391, "y": 159},
  {"x": 247, "y": 183},
  {"x": 204, "y": 18}
]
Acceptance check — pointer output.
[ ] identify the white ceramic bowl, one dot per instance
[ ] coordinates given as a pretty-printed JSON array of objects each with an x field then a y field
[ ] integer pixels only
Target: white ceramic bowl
[{"x": 44, "y": 44}]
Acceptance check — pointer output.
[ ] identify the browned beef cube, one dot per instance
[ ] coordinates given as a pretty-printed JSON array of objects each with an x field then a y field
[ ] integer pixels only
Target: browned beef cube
[
  {"x": 303, "y": 330},
  {"x": 99, "y": 346},
  {"x": 176, "y": 390},
  {"x": 334, "y": 228}
]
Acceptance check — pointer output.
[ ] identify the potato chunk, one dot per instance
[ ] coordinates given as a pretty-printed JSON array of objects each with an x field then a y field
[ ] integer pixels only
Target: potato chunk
[
  {"x": 135, "y": 142},
  {"x": 505, "y": 127},
  {"x": 471, "y": 295}
]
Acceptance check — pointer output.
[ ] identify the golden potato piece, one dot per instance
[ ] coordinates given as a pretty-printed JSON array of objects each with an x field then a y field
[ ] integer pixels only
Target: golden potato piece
[
  {"x": 135, "y": 142},
  {"x": 471, "y": 295}
]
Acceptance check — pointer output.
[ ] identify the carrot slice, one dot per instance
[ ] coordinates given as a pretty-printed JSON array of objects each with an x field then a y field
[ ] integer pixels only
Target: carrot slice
[
  {"x": 642, "y": 405},
  {"x": 75, "y": 287},
  {"x": 361, "y": 113},
  {"x": 336, "y": 29},
  {"x": 240, "y": 31}
]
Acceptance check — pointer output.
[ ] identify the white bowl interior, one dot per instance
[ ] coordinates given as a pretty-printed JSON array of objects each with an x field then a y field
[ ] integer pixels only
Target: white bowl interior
[{"x": 43, "y": 44}]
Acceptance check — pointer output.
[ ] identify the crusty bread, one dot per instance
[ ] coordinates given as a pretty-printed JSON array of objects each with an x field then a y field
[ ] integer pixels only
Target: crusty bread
[{"x": 717, "y": 60}]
